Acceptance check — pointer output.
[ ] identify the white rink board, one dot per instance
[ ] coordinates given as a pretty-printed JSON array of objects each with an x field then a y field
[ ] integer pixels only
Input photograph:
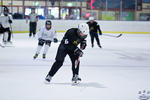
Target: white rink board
[{"x": 63, "y": 25}]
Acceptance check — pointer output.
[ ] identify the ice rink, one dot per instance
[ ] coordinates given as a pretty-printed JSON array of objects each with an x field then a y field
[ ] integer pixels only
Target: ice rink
[{"x": 117, "y": 72}]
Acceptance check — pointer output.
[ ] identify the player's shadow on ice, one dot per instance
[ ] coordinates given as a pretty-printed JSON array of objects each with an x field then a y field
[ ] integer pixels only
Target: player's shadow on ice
[
  {"x": 45, "y": 60},
  {"x": 85, "y": 85}
]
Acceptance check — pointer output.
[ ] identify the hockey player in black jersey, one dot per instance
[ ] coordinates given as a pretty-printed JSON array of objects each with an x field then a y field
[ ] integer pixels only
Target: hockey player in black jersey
[
  {"x": 69, "y": 46},
  {"x": 94, "y": 27}
]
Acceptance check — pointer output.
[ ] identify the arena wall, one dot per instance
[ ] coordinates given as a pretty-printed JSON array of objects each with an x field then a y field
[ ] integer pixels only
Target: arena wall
[{"x": 132, "y": 27}]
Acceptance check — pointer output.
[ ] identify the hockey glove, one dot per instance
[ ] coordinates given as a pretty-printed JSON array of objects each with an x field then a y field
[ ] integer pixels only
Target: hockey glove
[
  {"x": 10, "y": 21},
  {"x": 41, "y": 40},
  {"x": 100, "y": 33},
  {"x": 55, "y": 40},
  {"x": 78, "y": 52},
  {"x": 83, "y": 45}
]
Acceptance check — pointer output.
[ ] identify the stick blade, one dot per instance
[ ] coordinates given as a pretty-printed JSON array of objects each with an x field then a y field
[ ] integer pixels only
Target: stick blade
[{"x": 119, "y": 35}]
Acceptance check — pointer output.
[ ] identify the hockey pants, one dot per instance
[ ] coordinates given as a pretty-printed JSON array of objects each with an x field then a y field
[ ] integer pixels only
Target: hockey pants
[
  {"x": 61, "y": 54},
  {"x": 94, "y": 35}
]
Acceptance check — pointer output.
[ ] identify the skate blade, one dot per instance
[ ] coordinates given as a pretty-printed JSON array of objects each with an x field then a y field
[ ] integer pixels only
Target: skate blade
[
  {"x": 75, "y": 83},
  {"x": 46, "y": 82}
]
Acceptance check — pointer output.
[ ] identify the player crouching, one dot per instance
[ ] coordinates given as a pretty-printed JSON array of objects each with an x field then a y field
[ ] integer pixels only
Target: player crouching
[
  {"x": 46, "y": 35},
  {"x": 69, "y": 46}
]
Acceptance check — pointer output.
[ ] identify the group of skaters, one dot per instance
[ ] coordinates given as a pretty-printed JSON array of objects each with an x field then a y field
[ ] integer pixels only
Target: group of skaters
[
  {"x": 68, "y": 45},
  {"x": 6, "y": 28}
]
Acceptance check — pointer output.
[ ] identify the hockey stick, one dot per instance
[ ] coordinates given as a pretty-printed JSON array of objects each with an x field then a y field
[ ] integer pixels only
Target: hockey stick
[
  {"x": 78, "y": 60},
  {"x": 3, "y": 46},
  {"x": 113, "y": 35},
  {"x": 11, "y": 28},
  {"x": 11, "y": 31}
]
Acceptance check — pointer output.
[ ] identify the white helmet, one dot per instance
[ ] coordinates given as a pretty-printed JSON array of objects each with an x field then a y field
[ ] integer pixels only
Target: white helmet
[
  {"x": 91, "y": 18},
  {"x": 84, "y": 28}
]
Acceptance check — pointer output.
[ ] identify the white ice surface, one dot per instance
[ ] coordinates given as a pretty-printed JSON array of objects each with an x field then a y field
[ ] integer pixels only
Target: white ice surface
[{"x": 116, "y": 72}]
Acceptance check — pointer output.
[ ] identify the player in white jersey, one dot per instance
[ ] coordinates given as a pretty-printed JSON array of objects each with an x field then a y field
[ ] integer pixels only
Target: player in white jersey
[
  {"x": 6, "y": 21},
  {"x": 46, "y": 35}
]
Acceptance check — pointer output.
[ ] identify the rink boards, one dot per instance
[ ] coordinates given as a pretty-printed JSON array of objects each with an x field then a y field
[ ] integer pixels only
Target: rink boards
[{"x": 129, "y": 27}]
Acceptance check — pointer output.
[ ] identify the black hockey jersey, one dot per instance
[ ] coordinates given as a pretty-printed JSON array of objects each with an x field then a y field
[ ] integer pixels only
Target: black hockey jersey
[
  {"x": 94, "y": 27},
  {"x": 71, "y": 39}
]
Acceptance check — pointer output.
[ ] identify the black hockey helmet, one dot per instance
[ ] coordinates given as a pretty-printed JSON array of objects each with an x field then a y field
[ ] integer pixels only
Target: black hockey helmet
[
  {"x": 5, "y": 9},
  {"x": 48, "y": 22}
]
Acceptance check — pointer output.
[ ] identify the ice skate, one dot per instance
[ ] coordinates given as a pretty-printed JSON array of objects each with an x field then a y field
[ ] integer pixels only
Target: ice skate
[
  {"x": 48, "y": 79},
  {"x": 30, "y": 34},
  {"x": 5, "y": 42},
  {"x": 100, "y": 46},
  {"x": 44, "y": 56},
  {"x": 92, "y": 45},
  {"x": 2, "y": 45},
  {"x": 76, "y": 80},
  {"x": 35, "y": 56},
  {"x": 33, "y": 35},
  {"x": 9, "y": 42}
]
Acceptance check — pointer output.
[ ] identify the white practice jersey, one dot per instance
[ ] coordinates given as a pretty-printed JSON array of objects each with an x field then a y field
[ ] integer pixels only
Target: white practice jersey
[
  {"x": 45, "y": 34},
  {"x": 33, "y": 17},
  {"x": 4, "y": 20}
]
